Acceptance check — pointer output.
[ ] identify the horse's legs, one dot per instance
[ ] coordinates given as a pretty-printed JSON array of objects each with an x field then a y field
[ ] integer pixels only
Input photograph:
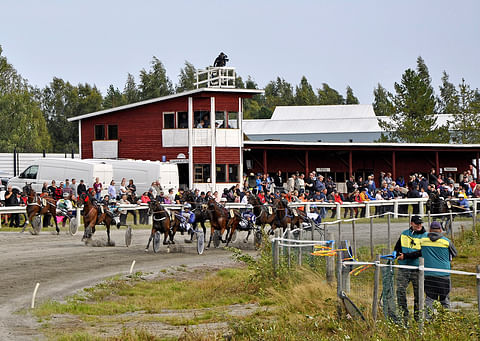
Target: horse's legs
[
  {"x": 150, "y": 239},
  {"x": 108, "y": 232},
  {"x": 212, "y": 230}
]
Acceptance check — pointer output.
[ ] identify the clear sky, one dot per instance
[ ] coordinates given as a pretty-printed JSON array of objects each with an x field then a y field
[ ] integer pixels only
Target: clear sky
[{"x": 357, "y": 43}]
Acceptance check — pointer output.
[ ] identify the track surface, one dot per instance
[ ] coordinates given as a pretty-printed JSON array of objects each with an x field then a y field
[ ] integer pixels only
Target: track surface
[{"x": 63, "y": 264}]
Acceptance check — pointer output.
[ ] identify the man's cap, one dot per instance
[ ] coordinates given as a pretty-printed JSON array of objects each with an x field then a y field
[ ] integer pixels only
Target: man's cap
[
  {"x": 435, "y": 225},
  {"x": 461, "y": 195},
  {"x": 416, "y": 219}
]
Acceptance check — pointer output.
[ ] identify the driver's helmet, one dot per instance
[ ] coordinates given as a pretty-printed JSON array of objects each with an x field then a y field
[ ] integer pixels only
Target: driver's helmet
[
  {"x": 65, "y": 195},
  {"x": 187, "y": 206},
  {"x": 249, "y": 206}
]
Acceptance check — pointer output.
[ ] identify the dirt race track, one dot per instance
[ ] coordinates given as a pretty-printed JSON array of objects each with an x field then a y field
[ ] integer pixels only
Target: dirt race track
[{"x": 63, "y": 264}]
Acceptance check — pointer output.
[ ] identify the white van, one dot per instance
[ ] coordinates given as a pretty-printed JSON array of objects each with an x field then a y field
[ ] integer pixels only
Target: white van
[
  {"x": 144, "y": 173},
  {"x": 46, "y": 170}
]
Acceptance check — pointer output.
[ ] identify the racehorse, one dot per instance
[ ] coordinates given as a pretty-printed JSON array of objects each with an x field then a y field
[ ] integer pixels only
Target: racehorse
[
  {"x": 199, "y": 209},
  {"x": 438, "y": 205},
  {"x": 37, "y": 206},
  {"x": 161, "y": 222},
  {"x": 265, "y": 214},
  {"x": 286, "y": 216},
  {"x": 94, "y": 214},
  {"x": 218, "y": 219}
]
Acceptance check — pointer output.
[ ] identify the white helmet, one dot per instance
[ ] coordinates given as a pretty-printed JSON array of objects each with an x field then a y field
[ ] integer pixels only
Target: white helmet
[{"x": 187, "y": 206}]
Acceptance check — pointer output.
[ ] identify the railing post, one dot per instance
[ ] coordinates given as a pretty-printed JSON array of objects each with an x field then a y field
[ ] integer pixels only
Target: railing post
[
  {"x": 299, "y": 247},
  {"x": 474, "y": 213},
  {"x": 429, "y": 219},
  {"x": 338, "y": 209},
  {"x": 451, "y": 225},
  {"x": 371, "y": 238},
  {"x": 421, "y": 293},
  {"x": 421, "y": 208},
  {"x": 339, "y": 274},
  {"x": 395, "y": 209},
  {"x": 389, "y": 233},
  {"x": 289, "y": 249},
  {"x": 330, "y": 262},
  {"x": 354, "y": 240},
  {"x": 339, "y": 231},
  {"x": 376, "y": 286},
  {"x": 367, "y": 209},
  {"x": 478, "y": 289},
  {"x": 345, "y": 269},
  {"x": 275, "y": 255}
]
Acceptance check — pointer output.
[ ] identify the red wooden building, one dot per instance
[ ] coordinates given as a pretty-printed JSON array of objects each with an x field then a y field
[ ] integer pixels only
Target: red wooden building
[{"x": 201, "y": 130}]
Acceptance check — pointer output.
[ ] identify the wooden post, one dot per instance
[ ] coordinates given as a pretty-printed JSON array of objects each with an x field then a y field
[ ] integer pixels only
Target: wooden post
[
  {"x": 330, "y": 262},
  {"x": 395, "y": 209},
  {"x": 372, "y": 246},
  {"x": 354, "y": 240},
  {"x": 376, "y": 286},
  {"x": 474, "y": 209},
  {"x": 299, "y": 247},
  {"x": 421, "y": 292},
  {"x": 339, "y": 274},
  {"x": 429, "y": 219},
  {"x": 367, "y": 209},
  {"x": 289, "y": 249},
  {"x": 339, "y": 210},
  {"x": 275, "y": 255},
  {"x": 345, "y": 269},
  {"x": 421, "y": 208},
  {"x": 478, "y": 288},
  {"x": 451, "y": 225},
  {"x": 339, "y": 231},
  {"x": 389, "y": 233}
]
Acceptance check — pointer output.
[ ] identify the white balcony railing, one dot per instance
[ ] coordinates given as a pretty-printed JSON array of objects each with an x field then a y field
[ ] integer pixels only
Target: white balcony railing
[{"x": 201, "y": 138}]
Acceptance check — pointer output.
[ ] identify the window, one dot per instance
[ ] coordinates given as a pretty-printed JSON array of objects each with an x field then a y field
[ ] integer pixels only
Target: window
[
  {"x": 220, "y": 119},
  {"x": 112, "y": 132},
  {"x": 182, "y": 120},
  {"x": 201, "y": 173},
  {"x": 233, "y": 173},
  {"x": 168, "y": 120},
  {"x": 232, "y": 120},
  {"x": 199, "y": 116},
  {"x": 100, "y": 132},
  {"x": 221, "y": 173},
  {"x": 30, "y": 173}
]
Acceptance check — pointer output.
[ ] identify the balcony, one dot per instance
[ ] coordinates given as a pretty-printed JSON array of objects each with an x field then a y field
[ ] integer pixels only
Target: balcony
[{"x": 201, "y": 137}]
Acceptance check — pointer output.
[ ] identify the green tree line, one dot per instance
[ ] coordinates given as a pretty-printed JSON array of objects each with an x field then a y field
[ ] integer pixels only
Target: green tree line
[{"x": 35, "y": 119}]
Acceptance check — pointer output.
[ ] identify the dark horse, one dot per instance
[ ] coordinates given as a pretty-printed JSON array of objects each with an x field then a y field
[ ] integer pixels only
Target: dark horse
[
  {"x": 265, "y": 214},
  {"x": 218, "y": 219},
  {"x": 161, "y": 222},
  {"x": 94, "y": 214},
  {"x": 286, "y": 216},
  {"x": 438, "y": 205},
  {"x": 200, "y": 211},
  {"x": 37, "y": 206}
]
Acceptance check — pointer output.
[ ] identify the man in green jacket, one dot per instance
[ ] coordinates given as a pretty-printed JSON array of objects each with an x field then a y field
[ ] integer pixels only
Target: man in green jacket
[
  {"x": 438, "y": 252},
  {"x": 407, "y": 248}
]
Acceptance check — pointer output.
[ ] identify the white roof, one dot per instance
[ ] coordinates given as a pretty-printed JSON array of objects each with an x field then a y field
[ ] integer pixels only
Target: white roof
[
  {"x": 164, "y": 98},
  {"x": 308, "y": 112},
  {"x": 316, "y": 119}
]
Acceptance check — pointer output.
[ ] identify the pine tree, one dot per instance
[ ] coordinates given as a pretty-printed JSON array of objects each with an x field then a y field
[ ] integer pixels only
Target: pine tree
[
  {"x": 186, "y": 78},
  {"x": 329, "y": 96},
  {"x": 414, "y": 119},
  {"x": 382, "y": 105},
  {"x": 448, "y": 102},
  {"x": 155, "y": 82},
  {"x": 351, "y": 99},
  {"x": 466, "y": 120},
  {"x": 304, "y": 94},
  {"x": 113, "y": 98},
  {"x": 130, "y": 91}
]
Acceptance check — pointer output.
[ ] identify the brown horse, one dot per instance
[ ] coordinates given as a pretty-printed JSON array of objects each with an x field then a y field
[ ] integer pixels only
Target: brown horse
[
  {"x": 161, "y": 223},
  {"x": 265, "y": 214},
  {"x": 286, "y": 216},
  {"x": 94, "y": 214},
  {"x": 218, "y": 219},
  {"x": 37, "y": 206}
]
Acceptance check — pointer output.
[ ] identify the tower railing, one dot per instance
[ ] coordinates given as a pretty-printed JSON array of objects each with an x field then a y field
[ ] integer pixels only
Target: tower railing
[{"x": 216, "y": 77}]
